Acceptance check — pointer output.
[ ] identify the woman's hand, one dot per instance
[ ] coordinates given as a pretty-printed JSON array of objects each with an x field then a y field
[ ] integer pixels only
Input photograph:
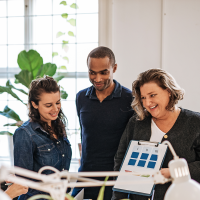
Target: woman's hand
[
  {"x": 16, "y": 190},
  {"x": 165, "y": 172}
]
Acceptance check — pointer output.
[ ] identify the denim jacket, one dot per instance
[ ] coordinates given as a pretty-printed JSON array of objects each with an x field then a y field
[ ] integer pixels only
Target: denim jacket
[{"x": 34, "y": 149}]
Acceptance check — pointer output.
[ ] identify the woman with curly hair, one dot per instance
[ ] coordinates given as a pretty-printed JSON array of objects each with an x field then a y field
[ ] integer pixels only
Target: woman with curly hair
[
  {"x": 42, "y": 140},
  {"x": 158, "y": 118}
]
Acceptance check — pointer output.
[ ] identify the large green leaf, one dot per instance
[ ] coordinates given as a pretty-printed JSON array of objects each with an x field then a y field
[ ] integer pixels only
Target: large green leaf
[
  {"x": 6, "y": 133},
  {"x": 10, "y": 124},
  {"x": 24, "y": 77},
  {"x": 47, "y": 69},
  {"x": 16, "y": 81},
  {"x": 101, "y": 192},
  {"x": 9, "y": 113},
  {"x": 19, "y": 123},
  {"x": 9, "y": 91},
  {"x": 64, "y": 94},
  {"x": 30, "y": 61},
  {"x": 8, "y": 84},
  {"x": 74, "y": 5},
  {"x": 72, "y": 22}
]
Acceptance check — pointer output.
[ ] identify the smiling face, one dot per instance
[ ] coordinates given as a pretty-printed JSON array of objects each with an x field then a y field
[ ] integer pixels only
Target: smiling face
[
  {"x": 48, "y": 106},
  {"x": 101, "y": 72},
  {"x": 155, "y": 99}
]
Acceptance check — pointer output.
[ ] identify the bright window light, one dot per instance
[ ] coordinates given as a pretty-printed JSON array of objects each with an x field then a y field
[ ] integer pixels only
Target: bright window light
[{"x": 36, "y": 28}]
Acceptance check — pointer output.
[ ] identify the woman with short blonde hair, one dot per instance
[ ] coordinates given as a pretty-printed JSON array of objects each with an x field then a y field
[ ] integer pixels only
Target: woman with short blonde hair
[
  {"x": 158, "y": 118},
  {"x": 164, "y": 80}
]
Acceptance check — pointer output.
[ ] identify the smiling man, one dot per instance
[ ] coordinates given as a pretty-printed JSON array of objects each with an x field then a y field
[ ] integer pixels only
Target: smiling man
[{"x": 104, "y": 110}]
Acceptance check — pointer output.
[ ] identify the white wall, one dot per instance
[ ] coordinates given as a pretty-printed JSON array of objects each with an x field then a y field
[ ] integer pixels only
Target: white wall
[
  {"x": 181, "y": 47},
  {"x": 154, "y": 33}
]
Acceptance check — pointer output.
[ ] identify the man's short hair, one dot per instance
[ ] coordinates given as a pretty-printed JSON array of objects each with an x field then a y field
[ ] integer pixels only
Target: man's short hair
[{"x": 102, "y": 52}]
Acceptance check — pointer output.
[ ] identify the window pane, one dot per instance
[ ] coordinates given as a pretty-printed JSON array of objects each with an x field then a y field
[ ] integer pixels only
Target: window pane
[
  {"x": 60, "y": 8},
  {"x": 42, "y": 29},
  {"x": 3, "y": 55},
  {"x": 45, "y": 52},
  {"x": 69, "y": 110},
  {"x": 42, "y": 7},
  {"x": 61, "y": 25},
  {"x": 3, "y": 120},
  {"x": 3, "y": 32},
  {"x": 16, "y": 30},
  {"x": 47, "y": 22},
  {"x": 13, "y": 51},
  {"x": 87, "y": 6},
  {"x": 83, "y": 83},
  {"x": 70, "y": 52},
  {"x": 4, "y": 145},
  {"x": 69, "y": 85},
  {"x": 74, "y": 138},
  {"x": 82, "y": 52},
  {"x": 3, "y": 96},
  {"x": 20, "y": 109},
  {"x": 16, "y": 8},
  {"x": 77, "y": 123},
  {"x": 21, "y": 95},
  {"x": 74, "y": 165},
  {"x": 3, "y": 8},
  {"x": 87, "y": 28},
  {"x": 11, "y": 129}
]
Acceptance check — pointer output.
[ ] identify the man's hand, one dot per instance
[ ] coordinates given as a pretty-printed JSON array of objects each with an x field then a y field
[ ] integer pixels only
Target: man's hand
[
  {"x": 16, "y": 190},
  {"x": 165, "y": 172}
]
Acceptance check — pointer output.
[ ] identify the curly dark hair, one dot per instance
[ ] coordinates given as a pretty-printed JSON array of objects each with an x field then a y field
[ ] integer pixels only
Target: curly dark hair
[
  {"x": 37, "y": 87},
  {"x": 102, "y": 52}
]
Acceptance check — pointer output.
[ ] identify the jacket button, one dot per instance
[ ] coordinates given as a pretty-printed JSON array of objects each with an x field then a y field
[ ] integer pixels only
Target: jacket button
[
  {"x": 57, "y": 142},
  {"x": 63, "y": 155},
  {"x": 165, "y": 136},
  {"x": 63, "y": 169},
  {"x": 48, "y": 149}
]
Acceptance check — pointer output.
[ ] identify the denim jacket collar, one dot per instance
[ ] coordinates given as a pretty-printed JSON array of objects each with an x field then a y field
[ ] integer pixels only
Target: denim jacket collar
[
  {"x": 36, "y": 125},
  {"x": 91, "y": 92}
]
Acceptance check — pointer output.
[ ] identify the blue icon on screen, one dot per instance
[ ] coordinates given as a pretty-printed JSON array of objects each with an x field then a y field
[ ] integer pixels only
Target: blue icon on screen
[
  {"x": 154, "y": 157},
  {"x": 151, "y": 165},
  {"x": 134, "y": 155},
  {"x": 132, "y": 162},
  {"x": 144, "y": 156},
  {"x": 141, "y": 163}
]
